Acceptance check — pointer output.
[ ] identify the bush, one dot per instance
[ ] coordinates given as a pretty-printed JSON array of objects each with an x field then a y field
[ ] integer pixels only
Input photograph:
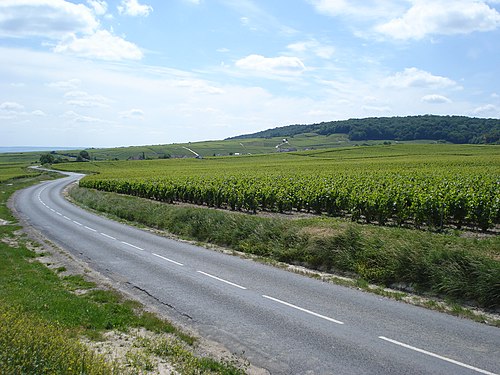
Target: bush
[{"x": 32, "y": 346}]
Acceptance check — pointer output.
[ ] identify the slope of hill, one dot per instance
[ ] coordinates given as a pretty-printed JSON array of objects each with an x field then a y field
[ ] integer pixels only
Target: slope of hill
[
  {"x": 454, "y": 129},
  {"x": 368, "y": 131}
]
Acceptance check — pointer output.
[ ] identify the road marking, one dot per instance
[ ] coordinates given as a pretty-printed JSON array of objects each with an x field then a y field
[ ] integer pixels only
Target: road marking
[
  {"x": 222, "y": 280},
  {"x": 58, "y": 213},
  {"x": 437, "y": 356},
  {"x": 168, "y": 260},
  {"x": 91, "y": 229},
  {"x": 129, "y": 244},
  {"x": 52, "y": 210},
  {"x": 108, "y": 236},
  {"x": 304, "y": 310},
  {"x": 67, "y": 218},
  {"x": 77, "y": 223}
]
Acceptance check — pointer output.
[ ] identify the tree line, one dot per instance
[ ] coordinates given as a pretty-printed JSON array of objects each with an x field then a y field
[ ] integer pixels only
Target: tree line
[
  {"x": 454, "y": 129},
  {"x": 54, "y": 158}
]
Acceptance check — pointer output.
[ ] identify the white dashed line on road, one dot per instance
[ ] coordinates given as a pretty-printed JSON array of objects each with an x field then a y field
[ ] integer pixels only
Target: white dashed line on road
[
  {"x": 222, "y": 280},
  {"x": 108, "y": 236},
  {"x": 168, "y": 260},
  {"x": 303, "y": 310},
  {"x": 129, "y": 244},
  {"x": 436, "y": 356}
]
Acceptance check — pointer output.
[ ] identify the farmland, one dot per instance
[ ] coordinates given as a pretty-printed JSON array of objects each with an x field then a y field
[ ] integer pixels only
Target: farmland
[
  {"x": 431, "y": 186},
  {"x": 398, "y": 180},
  {"x": 14, "y": 170}
]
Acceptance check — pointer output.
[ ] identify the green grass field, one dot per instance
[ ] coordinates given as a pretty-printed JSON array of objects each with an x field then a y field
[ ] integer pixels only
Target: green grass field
[
  {"x": 15, "y": 170},
  {"x": 254, "y": 146},
  {"x": 222, "y": 147}
]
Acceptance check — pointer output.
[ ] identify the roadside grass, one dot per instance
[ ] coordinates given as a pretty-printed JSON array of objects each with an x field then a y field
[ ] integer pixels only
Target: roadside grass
[
  {"x": 43, "y": 319},
  {"x": 30, "y": 345},
  {"x": 462, "y": 269}
]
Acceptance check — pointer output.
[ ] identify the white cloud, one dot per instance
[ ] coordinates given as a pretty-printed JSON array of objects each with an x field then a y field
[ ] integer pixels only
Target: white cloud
[
  {"x": 100, "y": 6},
  {"x": 39, "y": 113},
  {"x": 133, "y": 113},
  {"x": 244, "y": 21},
  {"x": 47, "y": 18},
  {"x": 415, "y": 19},
  {"x": 256, "y": 18},
  {"x": 11, "y": 107},
  {"x": 73, "y": 26},
  {"x": 368, "y": 9},
  {"x": 102, "y": 45},
  {"x": 78, "y": 118},
  {"x": 487, "y": 110},
  {"x": 70, "y": 84},
  {"x": 85, "y": 100},
  {"x": 373, "y": 108},
  {"x": 11, "y": 110},
  {"x": 282, "y": 65},
  {"x": 413, "y": 77},
  {"x": 435, "y": 99},
  {"x": 134, "y": 8},
  {"x": 441, "y": 17},
  {"x": 323, "y": 51},
  {"x": 198, "y": 86}
]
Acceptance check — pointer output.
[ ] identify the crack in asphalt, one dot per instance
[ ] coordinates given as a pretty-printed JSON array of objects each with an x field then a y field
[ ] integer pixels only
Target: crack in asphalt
[{"x": 160, "y": 301}]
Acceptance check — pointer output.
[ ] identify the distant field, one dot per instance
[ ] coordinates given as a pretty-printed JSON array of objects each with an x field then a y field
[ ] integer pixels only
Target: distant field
[
  {"x": 230, "y": 147},
  {"x": 418, "y": 185},
  {"x": 14, "y": 170},
  {"x": 221, "y": 148}
]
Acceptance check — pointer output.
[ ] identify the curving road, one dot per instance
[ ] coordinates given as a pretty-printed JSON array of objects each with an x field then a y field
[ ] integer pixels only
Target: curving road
[{"x": 283, "y": 322}]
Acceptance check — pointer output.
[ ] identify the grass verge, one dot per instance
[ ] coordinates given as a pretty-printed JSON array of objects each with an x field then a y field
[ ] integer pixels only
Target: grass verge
[
  {"x": 43, "y": 319},
  {"x": 461, "y": 269}
]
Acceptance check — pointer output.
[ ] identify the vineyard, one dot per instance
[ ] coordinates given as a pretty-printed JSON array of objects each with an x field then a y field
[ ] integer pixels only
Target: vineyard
[
  {"x": 434, "y": 186},
  {"x": 15, "y": 170}
]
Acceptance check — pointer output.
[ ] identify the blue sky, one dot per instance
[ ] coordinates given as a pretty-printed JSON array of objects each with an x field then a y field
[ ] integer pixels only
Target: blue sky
[{"x": 129, "y": 72}]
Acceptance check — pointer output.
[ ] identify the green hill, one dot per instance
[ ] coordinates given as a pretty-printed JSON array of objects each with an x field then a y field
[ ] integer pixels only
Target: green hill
[
  {"x": 333, "y": 134},
  {"x": 453, "y": 129}
]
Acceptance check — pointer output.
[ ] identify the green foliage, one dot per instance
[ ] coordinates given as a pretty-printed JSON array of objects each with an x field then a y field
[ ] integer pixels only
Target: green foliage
[
  {"x": 461, "y": 268},
  {"x": 433, "y": 186},
  {"x": 184, "y": 360},
  {"x": 15, "y": 170},
  {"x": 47, "y": 159},
  {"x": 29, "y": 345},
  {"x": 454, "y": 129},
  {"x": 84, "y": 155}
]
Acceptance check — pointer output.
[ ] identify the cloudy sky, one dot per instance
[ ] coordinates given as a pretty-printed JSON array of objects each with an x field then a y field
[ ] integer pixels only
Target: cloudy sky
[{"x": 129, "y": 72}]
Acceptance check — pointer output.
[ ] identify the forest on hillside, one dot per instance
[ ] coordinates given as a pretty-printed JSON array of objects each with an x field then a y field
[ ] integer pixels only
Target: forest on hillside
[{"x": 454, "y": 129}]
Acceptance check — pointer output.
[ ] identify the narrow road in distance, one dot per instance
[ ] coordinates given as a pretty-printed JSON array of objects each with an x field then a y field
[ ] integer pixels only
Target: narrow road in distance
[{"x": 283, "y": 322}]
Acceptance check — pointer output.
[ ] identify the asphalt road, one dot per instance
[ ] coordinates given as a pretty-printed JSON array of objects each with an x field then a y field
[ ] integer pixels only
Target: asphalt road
[{"x": 283, "y": 322}]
